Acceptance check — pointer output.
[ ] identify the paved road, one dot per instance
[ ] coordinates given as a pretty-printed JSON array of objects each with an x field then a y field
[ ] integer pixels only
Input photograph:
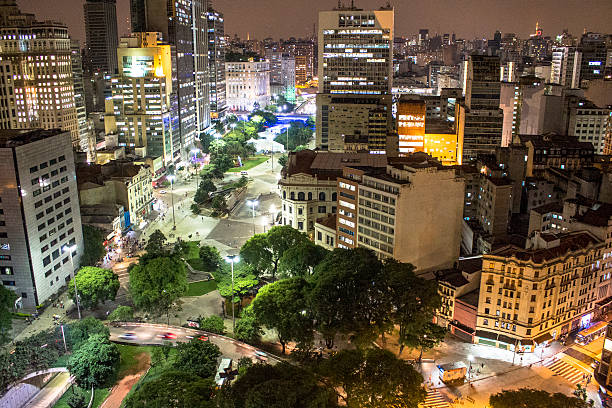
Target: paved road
[
  {"x": 146, "y": 334},
  {"x": 50, "y": 392}
]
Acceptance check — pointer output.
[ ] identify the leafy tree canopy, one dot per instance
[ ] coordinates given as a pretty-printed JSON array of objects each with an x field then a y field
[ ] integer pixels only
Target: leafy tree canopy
[
  {"x": 122, "y": 314},
  {"x": 95, "y": 362},
  {"x": 211, "y": 258},
  {"x": 93, "y": 246},
  {"x": 7, "y": 302},
  {"x": 301, "y": 259},
  {"x": 530, "y": 398},
  {"x": 248, "y": 329},
  {"x": 198, "y": 357},
  {"x": 157, "y": 284},
  {"x": 213, "y": 324},
  {"x": 95, "y": 286},
  {"x": 156, "y": 242}
]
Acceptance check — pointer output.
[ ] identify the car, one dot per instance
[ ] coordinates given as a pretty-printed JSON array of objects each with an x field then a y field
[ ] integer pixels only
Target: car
[
  {"x": 244, "y": 173},
  {"x": 162, "y": 191},
  {"x": 168, "y": 336},
  {"x": 128, "y": 336}
]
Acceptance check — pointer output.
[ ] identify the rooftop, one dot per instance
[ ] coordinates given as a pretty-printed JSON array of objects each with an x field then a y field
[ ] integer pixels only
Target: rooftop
[
  {"x": 548, "y": 208},
  {"x": 329, "y": 221},
  {"x": 329, "y": 165},
  {"x": 13, "y": 137},
  {"x": 571, "y": 242},
  {"x": 470, "y": 298}
]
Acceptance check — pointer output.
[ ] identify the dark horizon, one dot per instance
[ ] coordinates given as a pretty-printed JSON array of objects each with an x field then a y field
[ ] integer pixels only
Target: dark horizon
[{"x": 474, "y": 19}]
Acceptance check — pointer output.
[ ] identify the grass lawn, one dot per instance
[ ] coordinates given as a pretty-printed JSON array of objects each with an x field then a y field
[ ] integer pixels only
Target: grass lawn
[
  {"x": 249, "y": 164},
  {"x": 129, "y": 362},
  {"x": 100, "y": 395},
  {"x": 194, "y": 250},
  {"x": 201, "y": 288}
]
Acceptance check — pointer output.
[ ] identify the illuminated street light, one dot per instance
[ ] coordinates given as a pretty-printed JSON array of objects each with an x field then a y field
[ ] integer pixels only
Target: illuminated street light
[
  {"x": 253, "y": 204},
  {"x": 232, "y": 260}
]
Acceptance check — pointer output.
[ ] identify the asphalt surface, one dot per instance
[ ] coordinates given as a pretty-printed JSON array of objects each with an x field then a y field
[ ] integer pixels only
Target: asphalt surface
[{"x": 145, "y": 334}]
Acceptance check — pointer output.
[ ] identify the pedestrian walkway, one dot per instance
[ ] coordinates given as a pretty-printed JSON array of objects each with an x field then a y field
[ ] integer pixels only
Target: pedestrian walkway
[
  {"x": 572, "y": 374},
  {"x": 435, "y": 400}
]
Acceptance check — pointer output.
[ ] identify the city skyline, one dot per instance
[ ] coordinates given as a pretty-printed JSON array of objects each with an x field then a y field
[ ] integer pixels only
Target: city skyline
[{"x": 474, "y": 19}]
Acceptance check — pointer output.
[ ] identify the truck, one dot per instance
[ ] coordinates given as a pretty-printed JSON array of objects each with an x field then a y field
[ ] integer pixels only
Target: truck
[{"x": 451, "y": 372}]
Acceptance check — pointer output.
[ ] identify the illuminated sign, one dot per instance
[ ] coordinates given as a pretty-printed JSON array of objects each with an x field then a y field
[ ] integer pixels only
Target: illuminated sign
[
  {"x": 595, "y": 63},
  {"x": 411, "y": 121}
]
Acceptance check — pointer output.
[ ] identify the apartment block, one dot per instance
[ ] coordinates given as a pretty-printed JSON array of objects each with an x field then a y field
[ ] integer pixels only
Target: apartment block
[
  {"x": 589, "y": 123},
  {"x": 39, "y": 213}
]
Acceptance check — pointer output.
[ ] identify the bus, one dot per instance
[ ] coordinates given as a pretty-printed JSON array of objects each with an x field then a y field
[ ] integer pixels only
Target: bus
[{"x": 586, "y": 336}]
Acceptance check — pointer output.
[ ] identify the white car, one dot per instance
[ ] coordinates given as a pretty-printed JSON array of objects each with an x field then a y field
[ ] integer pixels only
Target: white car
[
  {"x": 128, "y": 336},
  {"x": 162, "y": 192}
]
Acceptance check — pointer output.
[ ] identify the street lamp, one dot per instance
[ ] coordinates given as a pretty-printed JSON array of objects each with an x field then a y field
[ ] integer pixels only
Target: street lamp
[
  {"x": 232, "y": 260},
  {"x": 171, "y": 177},
  {"x": 70, "y": 249},
  {"x": 253, "y": 204},
  {"x": 470, "y": 359}
]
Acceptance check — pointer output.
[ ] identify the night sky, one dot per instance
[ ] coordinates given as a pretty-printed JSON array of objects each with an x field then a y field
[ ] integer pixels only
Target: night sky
[{"x": 286, "y": 18}]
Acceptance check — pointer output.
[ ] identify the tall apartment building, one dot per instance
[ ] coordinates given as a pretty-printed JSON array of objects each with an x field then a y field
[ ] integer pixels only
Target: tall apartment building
[
  {"x": 38, "y": 68},
  {"x": 566, "y": 65},
  {"x": 589, "y": 123},
  {"x": 184, "y": 25},
  {"x": 247, "y": 85},
  {"x": 594, "y": 55},
  {"x": 101, "y": 35},
  {"x": 143, "y": 109},
  {"x": 529, "y": 296},
  {"x": 87, "y": 140},
  {"x": 282, "y": 73},
  {"x": 40, "y": 213},
  {"x": 355, "y": 57},
  {"x": 411, "y": 210},
  {"x": 304, "y": 61},
  {"x": 216, "y": 63},
  {"x": 482, "y": 117}
]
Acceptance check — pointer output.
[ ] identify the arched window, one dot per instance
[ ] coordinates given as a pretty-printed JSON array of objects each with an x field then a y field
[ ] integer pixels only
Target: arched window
[
  {"x": 292, "y": 195},
  {"x": 309, "y": 196},
  {"x": 334, "y": 196},
  {"x": 321, "y": 196},
  {"x": 284, "y": 195},
  {"x": 301, "y": 196}
]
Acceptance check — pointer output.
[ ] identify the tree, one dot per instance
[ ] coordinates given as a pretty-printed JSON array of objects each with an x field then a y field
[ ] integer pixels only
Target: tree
[
  {"x": 122, "y": 314},
  {"x": 157, "y": 284},
  {"x": 283, "y": 306},
  {"x": 198, "y": 357},
  {"x": 195, "y": 209},
  {"x": 530, "y": 398},
  {"x": 374, "y": 378},
  {"x": 218, "y": 204},
  {"x": 222, "y": 162},
  {"x": 299, "y": 134},
  {"x": 248, "y": 328},
  {"x": 256, "y": 253},
  {"x": 244, "y": 364},
  {"x": 430, "y": 336},
  {"x": 282, "y": 160},
  {"x": 94, "y": 285},
  {"x": 78, "y": 332},
  {"x": 301, "y": 259},
  {"x": 173, "y": 389},
  {"x": 204, "y": 189},
  {"x": 205, "y": 140},
  {"x": 213, "y": 324},
  {"x": 210, "y": 257},
  {"x": 95, "y": 362},
  {"x": 244, "y": 281},
  {"x": 413, "y": 302},
  {"x": 77, "y": 399},
  {"x": 93, "y": 246},
  {"x": 7, "y": 302},
  {"x": 350, "y": 296},
  {"x": 279, "y": 386},
  {"x": 156, "y": 242}
]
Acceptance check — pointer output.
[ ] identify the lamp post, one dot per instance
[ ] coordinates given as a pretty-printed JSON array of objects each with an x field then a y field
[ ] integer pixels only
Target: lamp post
[
  {"x": 232, "y": 260},
  {"x": 253, "y": 204},
  {"x": 171, "y": 178},
  {"x": 70, "y": 249},
  {"x": 470, "y": 359}
]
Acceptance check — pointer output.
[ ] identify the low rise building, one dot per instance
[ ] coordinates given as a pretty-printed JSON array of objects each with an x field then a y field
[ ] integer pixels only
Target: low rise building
[
  {"x": 325, "y": 232},
  {"x": 553, "y": 151}
]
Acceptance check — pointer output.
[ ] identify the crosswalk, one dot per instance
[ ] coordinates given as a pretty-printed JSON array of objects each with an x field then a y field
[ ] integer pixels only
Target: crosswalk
[
  {"x": 569, "y": 372},
  {"x": 435, "y": 400}
]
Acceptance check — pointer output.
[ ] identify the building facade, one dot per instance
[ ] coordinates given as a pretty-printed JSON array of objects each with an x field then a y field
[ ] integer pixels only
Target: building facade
[
  {"x": 39, "y": 64},
  {"x": 216, "y": 63},
  {"x": 589, "y": 123},
  {"x": 101, "y": 35},
  {"x": 40, "y": 213},
  {"x": 247, "y": 85}
]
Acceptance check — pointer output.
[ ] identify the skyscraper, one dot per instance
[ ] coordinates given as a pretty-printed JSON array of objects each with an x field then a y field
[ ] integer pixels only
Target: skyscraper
[
  {"x": 38, "y": 68},
  {"x": 86, "y": 136},
  {"x": 143, "y": 109},
  {"x": 482, "y": 117},
  {"x": 565, "y": 67},
  {"x": 41, "y": 216},
  {"x": 355, "y": 73},
  {"x": 101, "y": 34},
  {"x": 216, "y": 62},
  {"x": 183, "y": 24}
]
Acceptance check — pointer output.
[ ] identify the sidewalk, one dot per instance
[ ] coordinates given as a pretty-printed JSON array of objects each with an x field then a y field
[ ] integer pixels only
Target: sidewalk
[{"x": 45, "y": 319}]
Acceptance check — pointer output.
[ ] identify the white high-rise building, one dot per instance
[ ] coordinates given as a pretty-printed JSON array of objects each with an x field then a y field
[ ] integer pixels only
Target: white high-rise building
[
  {"x": 565, "y": 66},
  {"x": 39, "y": 213},
  {"x": 247, "y": 85}
]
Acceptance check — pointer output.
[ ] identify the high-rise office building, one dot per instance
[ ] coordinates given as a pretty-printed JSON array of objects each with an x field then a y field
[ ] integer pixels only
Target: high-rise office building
[
  {"x": 86, "y": 136},
  {"x": 594, "y": 54},
  {"x": 565, "y": 67},
  {"x": 39, "y": 70},
  {"x": 482, "y": 117},
  {"x": 143, "y": 109},
  {"x": 355, "y": 68},
  {"x": 183, "y": 25},
  {"x": 101, "y": 34},
  {"x": 40, "y": 213},
  {"x": 216, "y": 63},
  {"x": 304, "y": 61},
  {"x": 282, "y": 74}
]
